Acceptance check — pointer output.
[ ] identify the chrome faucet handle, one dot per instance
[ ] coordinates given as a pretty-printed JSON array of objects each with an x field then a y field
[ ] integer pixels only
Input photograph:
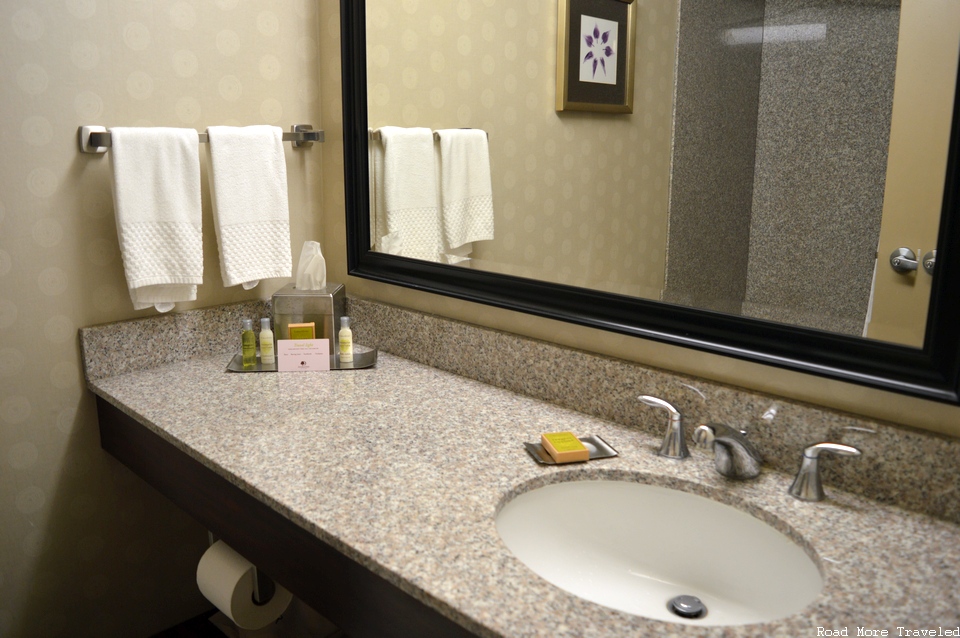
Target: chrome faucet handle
[
  {"x": 734, "y": 455},
  {"x": 806, "y": 486},
  {"x": 674, "y": 445}
]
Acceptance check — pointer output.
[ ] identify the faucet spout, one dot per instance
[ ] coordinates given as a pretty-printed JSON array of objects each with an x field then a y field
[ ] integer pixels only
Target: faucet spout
[
  {"x": 674, "y": 444},
  {"x": 735, "y": 456}
]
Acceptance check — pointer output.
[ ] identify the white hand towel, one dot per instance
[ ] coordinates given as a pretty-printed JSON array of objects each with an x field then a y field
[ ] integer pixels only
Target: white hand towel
[
  {"x": 251, "y": 213},
  {"x": 378, "y": 210},
  {"x": 410, "y": 194},
  {"x": 465, "y": 187},
  {"x": 156, "y": 191}
]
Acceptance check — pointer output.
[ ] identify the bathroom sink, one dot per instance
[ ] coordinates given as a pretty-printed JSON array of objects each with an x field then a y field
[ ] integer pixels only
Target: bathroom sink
[{"x": 635, "y": 547}]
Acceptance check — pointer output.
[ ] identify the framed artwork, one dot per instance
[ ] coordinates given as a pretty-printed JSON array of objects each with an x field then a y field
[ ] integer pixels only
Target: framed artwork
[{"x": 596, "y": 45}]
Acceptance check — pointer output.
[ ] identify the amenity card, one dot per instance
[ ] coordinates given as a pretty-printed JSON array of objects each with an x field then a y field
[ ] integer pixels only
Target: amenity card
[{"x": 303, "y": 355}]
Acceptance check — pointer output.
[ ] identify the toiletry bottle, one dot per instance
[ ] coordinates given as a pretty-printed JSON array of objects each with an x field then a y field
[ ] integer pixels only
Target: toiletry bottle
[
  {"x": 266, "y": 342},
  {"x": 249, "y": 341},
  {"x": 346, "y": 340}
]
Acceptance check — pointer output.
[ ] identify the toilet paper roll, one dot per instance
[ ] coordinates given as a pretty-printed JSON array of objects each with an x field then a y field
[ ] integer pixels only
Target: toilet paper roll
[{"x": 225, "y": 578}]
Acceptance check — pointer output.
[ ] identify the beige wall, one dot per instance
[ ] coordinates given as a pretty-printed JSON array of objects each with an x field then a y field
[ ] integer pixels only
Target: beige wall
[
  {"x": 579, "y": 198},
  {"x": 86, "y": 548},
  {"x": 852, "y": 398},
  {"x": 922, "y": 113}
]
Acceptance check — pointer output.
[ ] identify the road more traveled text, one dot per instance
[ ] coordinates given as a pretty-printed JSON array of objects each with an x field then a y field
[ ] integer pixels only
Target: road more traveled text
[{"x": 898, "y": 631}]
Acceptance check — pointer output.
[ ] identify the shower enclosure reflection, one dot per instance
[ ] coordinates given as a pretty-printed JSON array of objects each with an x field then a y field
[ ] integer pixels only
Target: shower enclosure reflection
[{"x": 749, "y": 179}]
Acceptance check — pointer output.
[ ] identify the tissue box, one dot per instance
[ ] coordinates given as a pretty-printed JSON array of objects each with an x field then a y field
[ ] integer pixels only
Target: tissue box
[{"x": 323, "y": 307}]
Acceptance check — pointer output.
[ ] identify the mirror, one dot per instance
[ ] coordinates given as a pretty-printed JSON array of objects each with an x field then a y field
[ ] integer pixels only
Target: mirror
[{"x": 559, "y": 286}]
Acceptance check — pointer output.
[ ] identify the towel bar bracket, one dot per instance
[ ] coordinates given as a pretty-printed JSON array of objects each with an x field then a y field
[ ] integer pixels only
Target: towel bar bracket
[
  {"x": 92, "y": 139},
  {"x": 96, "y": 139},
  {"x": 303, "y": 135}
]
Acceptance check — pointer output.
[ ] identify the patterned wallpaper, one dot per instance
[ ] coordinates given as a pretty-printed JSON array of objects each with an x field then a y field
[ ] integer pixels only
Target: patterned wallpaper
[
  {"x": 579, "y": 198},
  {"x": 86, "y": 548}
]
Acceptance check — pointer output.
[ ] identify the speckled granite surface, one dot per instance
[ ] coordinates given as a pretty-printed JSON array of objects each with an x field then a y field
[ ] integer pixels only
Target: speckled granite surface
[
  {"x": 919, "y": 470},
  {"x": 803, "y": 195},
  {"x": 124, "y": 346},
  {"x": 402, "y": 467},
  {"x": 377, "y": 464}
]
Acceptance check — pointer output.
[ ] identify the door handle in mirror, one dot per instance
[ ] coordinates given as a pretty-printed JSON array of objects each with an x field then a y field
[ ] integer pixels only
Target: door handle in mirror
[
  {"x": 903, "y": 260},
  {"x": 930, "y": 261}
]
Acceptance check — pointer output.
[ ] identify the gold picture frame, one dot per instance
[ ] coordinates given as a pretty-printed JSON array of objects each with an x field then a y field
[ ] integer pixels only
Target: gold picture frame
[{"x": 586, "y": 82}]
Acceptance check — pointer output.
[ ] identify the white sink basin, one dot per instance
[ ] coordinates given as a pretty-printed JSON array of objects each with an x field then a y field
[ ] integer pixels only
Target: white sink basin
[{"x": 634, "y": 547}]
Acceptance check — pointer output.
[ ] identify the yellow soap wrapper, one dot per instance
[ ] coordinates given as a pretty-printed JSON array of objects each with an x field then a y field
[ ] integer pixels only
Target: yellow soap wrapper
[
  {"x": 302, "y": 330},
  {"x": 564, "y": 447}
]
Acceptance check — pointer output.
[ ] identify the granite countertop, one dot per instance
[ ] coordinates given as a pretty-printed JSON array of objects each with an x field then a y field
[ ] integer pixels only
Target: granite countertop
[{"x": 402, "y": 467}]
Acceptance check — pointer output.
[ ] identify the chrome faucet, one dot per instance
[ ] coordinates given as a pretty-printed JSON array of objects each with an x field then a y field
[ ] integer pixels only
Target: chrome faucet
[
  {"x": 734, "y": 456},
  {"x": 806, "y": 486},
  {"x": 674, "y": 444}
]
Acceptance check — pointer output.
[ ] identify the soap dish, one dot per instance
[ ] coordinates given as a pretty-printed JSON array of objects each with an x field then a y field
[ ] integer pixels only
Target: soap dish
[{"x": 598, "y": 448}]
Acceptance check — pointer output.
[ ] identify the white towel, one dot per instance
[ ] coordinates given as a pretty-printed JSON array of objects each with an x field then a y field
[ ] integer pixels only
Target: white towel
[
  {"x": 378, "y": 210},
  {"x": 251, "y": 213},
  {"x": 156, "y": 191},
  {"x": 465, "y": 187},
  {"x": 410, "y": 195}
]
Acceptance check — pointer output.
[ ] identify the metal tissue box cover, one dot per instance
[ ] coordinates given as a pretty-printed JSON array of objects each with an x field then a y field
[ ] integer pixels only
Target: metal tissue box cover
[{"x": 323, "y": 307}]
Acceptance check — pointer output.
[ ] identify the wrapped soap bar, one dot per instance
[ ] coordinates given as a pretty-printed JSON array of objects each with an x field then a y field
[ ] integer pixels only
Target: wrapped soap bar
[
  {"x": 564, "y": 447},
  {"x": 302, "y": 330}
]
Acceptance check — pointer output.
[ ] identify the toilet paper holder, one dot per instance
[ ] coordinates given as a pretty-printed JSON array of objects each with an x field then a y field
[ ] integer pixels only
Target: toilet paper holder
[
  {"x": 263, "y": 587},
  {"x": 244, "y": 594}
]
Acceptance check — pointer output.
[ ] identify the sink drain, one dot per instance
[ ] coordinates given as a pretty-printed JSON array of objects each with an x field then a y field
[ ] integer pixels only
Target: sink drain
[{"x": 687, "y": 607}]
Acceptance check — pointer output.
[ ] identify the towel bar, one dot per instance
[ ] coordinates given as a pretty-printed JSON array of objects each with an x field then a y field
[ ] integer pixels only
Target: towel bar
[
  {"x": 375, "y": 134},
  {"x": 96, "y": 139}
]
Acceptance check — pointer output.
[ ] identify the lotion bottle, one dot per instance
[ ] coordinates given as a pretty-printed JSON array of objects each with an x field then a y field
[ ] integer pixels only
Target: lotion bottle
[
  {"x": 346, "y": 341},
  {"x": 249, "y": 343},
  {"x": 266, "y": 342}
]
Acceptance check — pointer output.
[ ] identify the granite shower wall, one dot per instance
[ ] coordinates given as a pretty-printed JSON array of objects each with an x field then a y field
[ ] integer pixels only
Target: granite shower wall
[
  {"x": 714, "y": 143},
  {"x": 822, "y": 139},
  {"x": 786, "y": 226},
  {"x": 87, "y": 548}
]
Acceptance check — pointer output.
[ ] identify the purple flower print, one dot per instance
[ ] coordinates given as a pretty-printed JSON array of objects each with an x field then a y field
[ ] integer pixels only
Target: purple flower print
[{"x": 599, "y": 49}]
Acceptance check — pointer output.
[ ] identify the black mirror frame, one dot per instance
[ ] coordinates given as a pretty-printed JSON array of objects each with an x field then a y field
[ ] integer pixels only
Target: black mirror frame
[{"x": 932, "y": 372}]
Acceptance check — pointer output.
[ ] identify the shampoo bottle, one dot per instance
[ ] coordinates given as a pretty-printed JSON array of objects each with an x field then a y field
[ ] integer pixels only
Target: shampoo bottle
[
  {"x": 346, "y": 341},
  {"x": 249, "y": 342},
  {"x": 266, "y": 342}
]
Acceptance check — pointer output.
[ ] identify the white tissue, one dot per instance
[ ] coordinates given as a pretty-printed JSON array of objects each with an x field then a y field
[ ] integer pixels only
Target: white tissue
[{"x": 312, "y": 269}]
